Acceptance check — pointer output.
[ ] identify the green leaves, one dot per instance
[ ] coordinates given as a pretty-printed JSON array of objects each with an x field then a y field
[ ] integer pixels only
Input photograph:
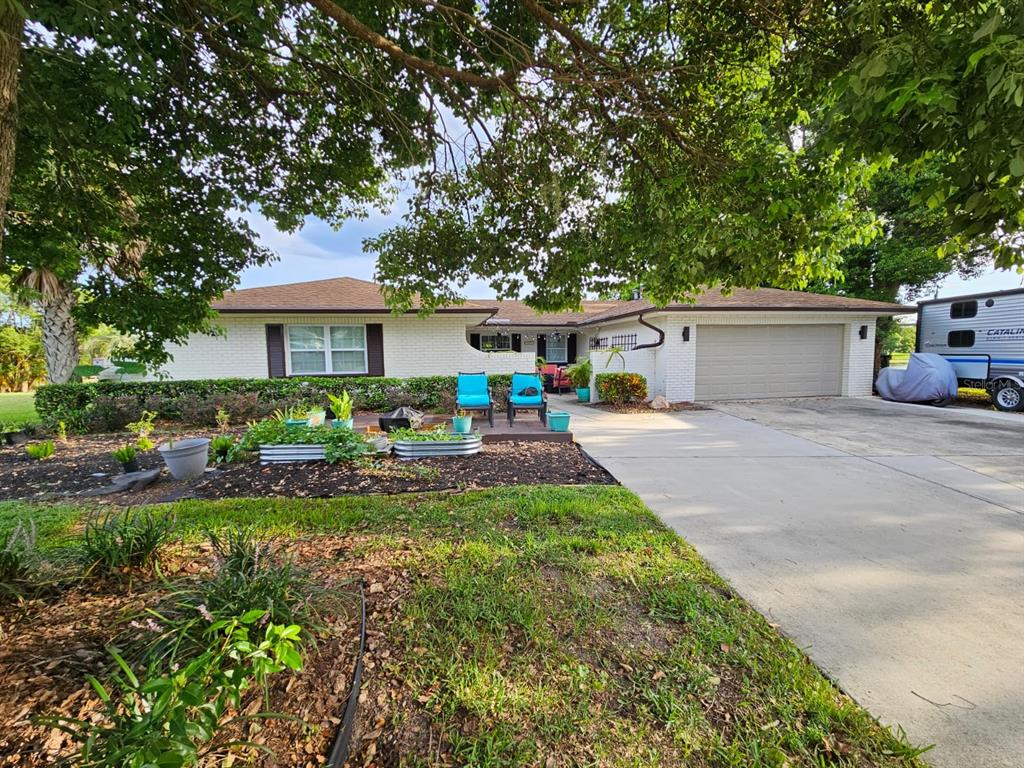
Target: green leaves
[{"x": 167, "y": 717}]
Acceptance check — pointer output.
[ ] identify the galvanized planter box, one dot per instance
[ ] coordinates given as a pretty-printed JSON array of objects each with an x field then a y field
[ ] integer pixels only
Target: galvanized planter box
[
  {"x": 273, "y": 454},
  {"x": 418, "y": 449}
]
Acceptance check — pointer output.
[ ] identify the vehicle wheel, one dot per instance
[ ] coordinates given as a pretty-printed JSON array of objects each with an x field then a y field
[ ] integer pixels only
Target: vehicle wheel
[{"x": 1007, "y": 396}]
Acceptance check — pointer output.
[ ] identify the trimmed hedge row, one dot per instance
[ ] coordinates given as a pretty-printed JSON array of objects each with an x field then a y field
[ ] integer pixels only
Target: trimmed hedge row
[
  {"x": 621, "y": 388},
  {"x": 109, "y": 405}
]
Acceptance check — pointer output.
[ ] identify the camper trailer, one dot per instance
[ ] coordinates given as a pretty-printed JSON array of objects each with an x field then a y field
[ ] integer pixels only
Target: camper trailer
[{"x": 982, "y": 335}]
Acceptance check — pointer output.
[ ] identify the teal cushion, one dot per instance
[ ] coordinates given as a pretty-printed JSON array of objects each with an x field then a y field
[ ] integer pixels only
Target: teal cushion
[
  {"x": 521, "y": 381},
  {"x": 473, "y": 401},
  {"x": 472, "y": 384}
]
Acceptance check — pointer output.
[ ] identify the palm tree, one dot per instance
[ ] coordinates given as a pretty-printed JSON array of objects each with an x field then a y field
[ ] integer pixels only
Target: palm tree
[{"x": 60, "y": 337}]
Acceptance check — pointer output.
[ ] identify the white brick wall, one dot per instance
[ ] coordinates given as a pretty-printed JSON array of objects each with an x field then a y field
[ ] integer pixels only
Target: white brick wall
[
  {"x": 680, "y": 359},
  {"x": 413, "y": 346},
  {"x": 858, "y": 358},
  {"x": 439, "y": 345}
]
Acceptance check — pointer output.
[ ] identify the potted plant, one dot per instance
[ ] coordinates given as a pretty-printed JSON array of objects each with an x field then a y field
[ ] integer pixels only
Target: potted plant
[
  {"x": 128, "y": 457},
  {"x": 558, "y": 421},
  {"x": 316, "y": 417},
  {"x": 16, "y": 434},
  {"x": 186, "y": 459},
  {"x": 462, "y": 422},
  {"x": 580, "y": 375},
  {"x": 341, "y": 407},
  {"x": 293, "y": 417}
]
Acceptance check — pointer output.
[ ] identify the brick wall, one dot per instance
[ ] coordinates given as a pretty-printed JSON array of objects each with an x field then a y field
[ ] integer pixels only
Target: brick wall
[
  {"x": 439, "y": 345},
  {"x": 413, "y": 346}
]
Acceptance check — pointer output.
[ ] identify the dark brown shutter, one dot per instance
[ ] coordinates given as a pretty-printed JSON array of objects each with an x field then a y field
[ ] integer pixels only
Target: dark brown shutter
[
  {"x": 542, "y": 346},
  {"x": 474, "y": 340},
  {"x": 572, "y": 348},
  {"x": 275, "y": 351},
  {"x": 517, "y": 342},
  {"x": 375, "y": 349}
]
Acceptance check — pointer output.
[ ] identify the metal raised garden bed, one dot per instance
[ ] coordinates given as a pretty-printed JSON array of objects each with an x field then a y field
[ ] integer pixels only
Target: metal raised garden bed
[
  {"x": 418, "y": 449},
  {"x": 273, "y": 454},
  {"x": 276, "y": 454}
]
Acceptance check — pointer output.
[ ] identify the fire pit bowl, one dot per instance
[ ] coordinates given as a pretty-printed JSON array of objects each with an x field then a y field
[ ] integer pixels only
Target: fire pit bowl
[{"x": 401, "y": 418}]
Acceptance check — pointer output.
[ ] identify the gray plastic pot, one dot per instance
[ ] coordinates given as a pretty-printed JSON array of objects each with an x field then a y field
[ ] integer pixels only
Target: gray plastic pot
[{"x": 186, "y": 459}]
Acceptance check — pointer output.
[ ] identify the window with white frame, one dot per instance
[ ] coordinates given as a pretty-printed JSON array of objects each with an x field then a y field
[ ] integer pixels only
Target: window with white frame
[
  {"x": 496, "y": 342},
  {"x": 556, "y": 348},
  {"x": 314, "y": 349}
]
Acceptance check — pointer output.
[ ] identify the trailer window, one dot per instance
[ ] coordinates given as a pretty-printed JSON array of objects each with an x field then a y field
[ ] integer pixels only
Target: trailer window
[
  {"x": 960, "y": 339},
  {"x": 962, "y": 309}
]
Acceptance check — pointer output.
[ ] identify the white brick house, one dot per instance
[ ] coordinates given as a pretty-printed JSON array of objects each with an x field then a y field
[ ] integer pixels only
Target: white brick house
[{"x": 763, "y": 343}]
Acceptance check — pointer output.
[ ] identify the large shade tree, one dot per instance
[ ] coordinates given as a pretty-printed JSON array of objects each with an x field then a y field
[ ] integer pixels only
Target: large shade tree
[
  {"x": 743, "y": 167},
  {"x": 577, "y": 145},
  {"x": 914, "y": 252}
]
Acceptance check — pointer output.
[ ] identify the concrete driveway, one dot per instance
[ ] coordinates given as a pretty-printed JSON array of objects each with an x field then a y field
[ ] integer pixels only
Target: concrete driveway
[{"x": 886, "y": 540}]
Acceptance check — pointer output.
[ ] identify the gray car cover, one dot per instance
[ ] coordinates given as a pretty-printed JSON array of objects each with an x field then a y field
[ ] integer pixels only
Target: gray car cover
[{"x": 927, "y": 378}]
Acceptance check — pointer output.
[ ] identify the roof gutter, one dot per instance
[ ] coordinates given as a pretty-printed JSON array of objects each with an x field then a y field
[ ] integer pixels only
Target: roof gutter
[{"x": 656, "y": 329}]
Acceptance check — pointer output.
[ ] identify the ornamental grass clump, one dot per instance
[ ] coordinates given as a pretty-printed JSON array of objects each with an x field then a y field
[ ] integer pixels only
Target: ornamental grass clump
[
  {"x": 40, "y": 451},
  {"x": 119, "y": 541},
  {"x": 18, "y": 558},
  {"x": 249, "y": 574}
]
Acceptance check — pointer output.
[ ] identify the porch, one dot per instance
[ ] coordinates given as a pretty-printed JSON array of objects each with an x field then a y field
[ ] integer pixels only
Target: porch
[{"x": 527, "y": 427}]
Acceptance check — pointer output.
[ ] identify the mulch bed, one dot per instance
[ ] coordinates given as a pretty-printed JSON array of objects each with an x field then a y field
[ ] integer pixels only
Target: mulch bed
[
  {"x": 496, "y": 464},
  {"x": 51, "y": 644},
  {"x": 78, "y": 464},
  {"x": 83, "y": 465}
]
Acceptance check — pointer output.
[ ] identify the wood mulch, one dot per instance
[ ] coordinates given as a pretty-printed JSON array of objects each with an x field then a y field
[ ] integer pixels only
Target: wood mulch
[
  {"x": 79, "y": 464},
  {"x": 496, "y": 464},
  {"x": 83, "y": 465},
  {"x": 51, "y": 644}
]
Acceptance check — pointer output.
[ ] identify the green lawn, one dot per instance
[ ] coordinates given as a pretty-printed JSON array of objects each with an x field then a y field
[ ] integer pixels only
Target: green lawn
[
  {"x": 17, "y": 408},
  {"x": 526, "y": 622}
]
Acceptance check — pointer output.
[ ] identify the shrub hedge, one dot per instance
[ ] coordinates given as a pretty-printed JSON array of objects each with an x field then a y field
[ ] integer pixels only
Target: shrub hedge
[
  {"x": 621, "y": 388},
  {"x": 109, "y": 405}
]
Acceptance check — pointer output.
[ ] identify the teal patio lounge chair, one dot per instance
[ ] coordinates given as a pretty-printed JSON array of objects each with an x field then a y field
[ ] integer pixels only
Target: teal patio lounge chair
[
  {"x": 473, "y": 394},
  {"x": 527, "y": 394}
]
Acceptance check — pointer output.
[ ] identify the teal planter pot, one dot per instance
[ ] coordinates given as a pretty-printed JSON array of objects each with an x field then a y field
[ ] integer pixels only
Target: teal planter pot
[
  {"x": 583, "y": 394},
  {"x": 558, "y": 421},
  {"x": 342, "y": 423},
  {"x": 296, "y": 423},
  {"x": 462, "y": 425}
]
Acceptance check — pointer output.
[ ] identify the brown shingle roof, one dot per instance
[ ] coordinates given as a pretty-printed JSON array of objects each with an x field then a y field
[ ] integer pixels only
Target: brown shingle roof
[
  {"x": 347, "y": 294},
  {"x": 337, "y": 294},
  {"x": 512, "y": 312},
  {"x": 760, "y": 299}
]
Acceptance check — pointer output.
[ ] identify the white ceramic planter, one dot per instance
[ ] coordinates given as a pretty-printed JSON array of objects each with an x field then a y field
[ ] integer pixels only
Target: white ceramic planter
[{"x": 186, "y": 459}]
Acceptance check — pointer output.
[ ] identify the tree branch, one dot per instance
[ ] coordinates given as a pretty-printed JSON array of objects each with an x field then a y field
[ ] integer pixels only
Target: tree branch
[{"x": 407, "y": 60}]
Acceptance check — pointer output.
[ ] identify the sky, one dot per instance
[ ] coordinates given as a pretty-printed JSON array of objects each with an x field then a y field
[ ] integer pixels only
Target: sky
[{"x": 317, "y": 252}]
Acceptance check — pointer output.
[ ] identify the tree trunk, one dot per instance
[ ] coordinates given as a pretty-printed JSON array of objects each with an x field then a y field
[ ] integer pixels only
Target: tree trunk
[
  {"x": 12, "y": 27},
  {"x": 60, "y": 341}
]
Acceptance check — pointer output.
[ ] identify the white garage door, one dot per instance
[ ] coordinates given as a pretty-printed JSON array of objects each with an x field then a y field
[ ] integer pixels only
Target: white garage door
[{"x": 736, "y": 362}]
